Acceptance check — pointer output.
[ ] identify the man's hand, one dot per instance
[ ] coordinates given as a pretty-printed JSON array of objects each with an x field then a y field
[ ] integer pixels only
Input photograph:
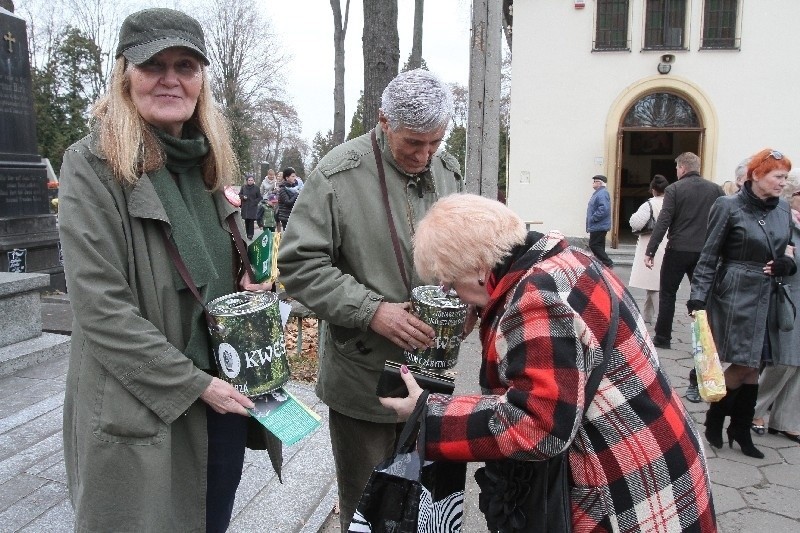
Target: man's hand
[
  {"x": 396, "y": 323},
  {"x": 648, "y": 262},
  {"x": 223, "y": 398}
]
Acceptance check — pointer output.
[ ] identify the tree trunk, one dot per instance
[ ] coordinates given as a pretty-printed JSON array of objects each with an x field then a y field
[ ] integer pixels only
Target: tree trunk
[
  {"x": 339, "y": 32},
  {"x": 483, "y": 129},
  {"x": 416, "y": 47},
  {"x": 381, "y": 46}
]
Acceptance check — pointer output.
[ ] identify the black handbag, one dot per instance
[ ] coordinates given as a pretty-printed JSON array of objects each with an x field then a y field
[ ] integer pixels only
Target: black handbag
[
  {"x": 785, "y": 310},
  {"x": 526, "y": 496},
  {"x": 647, "y": 229},
  {"x": 405, "y": 494}
]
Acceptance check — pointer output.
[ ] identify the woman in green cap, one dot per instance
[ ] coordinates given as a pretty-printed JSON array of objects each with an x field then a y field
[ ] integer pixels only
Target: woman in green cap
[{"x": 153, "y": 440}]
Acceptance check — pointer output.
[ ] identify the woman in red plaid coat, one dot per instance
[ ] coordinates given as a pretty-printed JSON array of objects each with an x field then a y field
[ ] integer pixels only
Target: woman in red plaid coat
[{"x": 635, "y": 458}]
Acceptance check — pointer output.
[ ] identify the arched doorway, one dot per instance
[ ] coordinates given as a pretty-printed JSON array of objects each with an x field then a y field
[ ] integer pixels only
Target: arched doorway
[{"x": 654, "y": 130}]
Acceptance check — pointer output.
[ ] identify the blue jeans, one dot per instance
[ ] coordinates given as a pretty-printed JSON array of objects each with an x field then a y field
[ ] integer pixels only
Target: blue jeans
[{"x": 227, "y": 435}]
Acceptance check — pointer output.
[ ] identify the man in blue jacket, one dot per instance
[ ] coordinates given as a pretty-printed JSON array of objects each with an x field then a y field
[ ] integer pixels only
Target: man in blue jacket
[{"x": 598, "y": 219}]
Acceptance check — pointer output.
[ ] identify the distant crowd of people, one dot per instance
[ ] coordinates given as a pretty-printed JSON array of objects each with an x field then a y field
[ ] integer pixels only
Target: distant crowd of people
[{"x": 269, "y": 205}]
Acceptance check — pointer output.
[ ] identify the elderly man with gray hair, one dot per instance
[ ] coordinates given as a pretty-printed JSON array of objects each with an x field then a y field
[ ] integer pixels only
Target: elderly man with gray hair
[{"x": 347, "y": 256}]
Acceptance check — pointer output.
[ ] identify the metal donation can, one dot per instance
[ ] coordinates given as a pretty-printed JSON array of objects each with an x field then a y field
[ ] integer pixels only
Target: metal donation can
[
  {"x": 446, "y": 314},
  {"x": 249, "y": 347}
]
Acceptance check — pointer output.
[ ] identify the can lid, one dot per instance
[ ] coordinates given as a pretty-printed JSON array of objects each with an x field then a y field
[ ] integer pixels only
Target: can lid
[
  {"x": 241, "y": 303},
  {"x": 432, "y": 295}
]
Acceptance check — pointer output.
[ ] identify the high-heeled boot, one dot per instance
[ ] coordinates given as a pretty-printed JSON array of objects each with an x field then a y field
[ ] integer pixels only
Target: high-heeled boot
[
  {"x": 742, "y": 410},
  {"x": 715, "y": 417}
]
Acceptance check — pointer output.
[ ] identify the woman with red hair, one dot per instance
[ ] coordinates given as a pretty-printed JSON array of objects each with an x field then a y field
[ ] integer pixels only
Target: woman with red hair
[{"x": 748, "y": 246}]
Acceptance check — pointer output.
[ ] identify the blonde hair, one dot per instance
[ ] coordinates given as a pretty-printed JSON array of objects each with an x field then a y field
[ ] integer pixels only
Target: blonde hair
[
  {"x": 689, "y": 161},
  {"x": 729, "y": 188},
  {"x": 792, "y": 184},
  {"x": 131, "y": 147},
  {"x": 464, "y": 234}
]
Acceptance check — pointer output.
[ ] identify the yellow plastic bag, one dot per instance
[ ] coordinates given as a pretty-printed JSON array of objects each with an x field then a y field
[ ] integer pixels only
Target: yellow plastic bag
[{"x": 710, "y": 379}]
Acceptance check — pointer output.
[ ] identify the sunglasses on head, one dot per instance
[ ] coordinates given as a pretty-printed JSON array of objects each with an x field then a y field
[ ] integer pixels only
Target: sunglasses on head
[{"x": 774, "y": 154}]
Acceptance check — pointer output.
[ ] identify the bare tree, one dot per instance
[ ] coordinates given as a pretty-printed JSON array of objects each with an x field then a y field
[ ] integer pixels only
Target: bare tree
[
  {"x": 276, "y": 125},
  {"x": 339, "y": 32},
  {"x": 416, "y": 43},
  {"x": 460, "y": 104},
  {"x": 246, "y": 65},
  {"x": 100, "y": 24},
  {"x": 381, "y": 46},
  {"x": 508, "y": 20}
]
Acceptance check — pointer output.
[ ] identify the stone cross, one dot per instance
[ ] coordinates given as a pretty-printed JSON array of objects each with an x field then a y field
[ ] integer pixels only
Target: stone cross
[{"x": 11, "y": 40}]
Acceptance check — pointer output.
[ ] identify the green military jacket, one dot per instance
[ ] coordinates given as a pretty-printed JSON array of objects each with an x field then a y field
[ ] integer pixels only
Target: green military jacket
[
  {"x": 337, "y": 259},
  {"x": 135, "y": 441}
]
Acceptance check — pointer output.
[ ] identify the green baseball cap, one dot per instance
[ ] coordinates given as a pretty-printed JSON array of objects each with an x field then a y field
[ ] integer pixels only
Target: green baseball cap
[{"x": 145, "y": 33}]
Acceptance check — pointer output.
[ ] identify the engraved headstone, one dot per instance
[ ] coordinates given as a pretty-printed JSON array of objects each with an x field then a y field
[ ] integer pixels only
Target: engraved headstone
[{"x": 25, "y": 219}]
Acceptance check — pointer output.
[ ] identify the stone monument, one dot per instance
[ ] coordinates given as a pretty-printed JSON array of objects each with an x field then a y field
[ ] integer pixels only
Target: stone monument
[
  {"x": 28, "y": 231},
  {"x": 22, "y": 342}
]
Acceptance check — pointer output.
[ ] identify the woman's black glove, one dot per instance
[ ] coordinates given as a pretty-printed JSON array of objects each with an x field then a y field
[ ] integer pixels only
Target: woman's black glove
[
  {"x": 783, "y": 266},
  {"x": 695, "y": 305}
]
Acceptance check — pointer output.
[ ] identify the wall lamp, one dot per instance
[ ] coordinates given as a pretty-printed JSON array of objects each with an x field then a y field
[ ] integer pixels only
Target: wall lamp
[{"x": 666, "y": 63}]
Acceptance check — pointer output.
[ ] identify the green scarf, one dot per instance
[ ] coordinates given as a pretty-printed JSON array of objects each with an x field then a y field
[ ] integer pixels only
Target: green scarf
[{"x": 205, "y": 246}]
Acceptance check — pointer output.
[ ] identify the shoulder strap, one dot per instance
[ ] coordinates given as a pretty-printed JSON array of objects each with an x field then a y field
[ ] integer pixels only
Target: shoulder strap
[
  {"x": 390, "y": 219},
  {"x": 597, "y": 374},
  {"x": 236, "y": 235},
  {"x": 180, "y": 266}
]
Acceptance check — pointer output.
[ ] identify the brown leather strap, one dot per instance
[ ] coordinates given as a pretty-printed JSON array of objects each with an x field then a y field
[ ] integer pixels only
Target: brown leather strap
[
  {"x": 385, "y": 193},
  {"x": 175, "y": 255},
  {"x": 180, "y": 266},
  {"x": 240, "y": 247}
]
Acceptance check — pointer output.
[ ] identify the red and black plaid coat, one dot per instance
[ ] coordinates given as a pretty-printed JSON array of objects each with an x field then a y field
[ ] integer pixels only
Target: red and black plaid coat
[{"x": 636, "y": 460}]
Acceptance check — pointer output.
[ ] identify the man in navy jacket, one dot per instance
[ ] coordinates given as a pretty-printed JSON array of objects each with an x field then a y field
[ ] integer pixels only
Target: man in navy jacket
[{"x": 598, "y": 219}]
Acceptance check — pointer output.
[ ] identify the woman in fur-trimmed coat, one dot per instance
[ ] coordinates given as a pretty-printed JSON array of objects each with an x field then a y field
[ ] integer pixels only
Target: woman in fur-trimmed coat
[{"x": 636, "y": 463}]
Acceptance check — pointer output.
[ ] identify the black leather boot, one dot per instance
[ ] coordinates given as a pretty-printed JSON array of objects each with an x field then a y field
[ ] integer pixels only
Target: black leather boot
[
  {"x": 715, "y": 417},
  {"x": 742, "y": 411}
]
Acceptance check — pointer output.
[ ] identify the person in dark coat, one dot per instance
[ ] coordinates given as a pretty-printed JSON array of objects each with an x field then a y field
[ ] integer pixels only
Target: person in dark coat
[
  {"x": 779, "y": 383},
  {"x": 287, "y": 195},
  {"x": 251, "y": 196},
  {"x": 598, "y": 219},
  {"x": 685, "y": 214},
  {"x": 747, "y": 247}
]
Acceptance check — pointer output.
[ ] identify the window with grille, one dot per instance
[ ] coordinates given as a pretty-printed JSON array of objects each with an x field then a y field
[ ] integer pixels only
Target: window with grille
[
  {"x": 720, "y": 24},
  {"x": 611, "y": 26},
  {"x": 665, "y": 25}
]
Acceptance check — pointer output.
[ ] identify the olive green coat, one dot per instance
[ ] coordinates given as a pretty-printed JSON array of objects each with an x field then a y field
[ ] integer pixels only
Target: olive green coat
[
  {"x": 337, "y": 259},
  {"x": 135, "y": 442}
]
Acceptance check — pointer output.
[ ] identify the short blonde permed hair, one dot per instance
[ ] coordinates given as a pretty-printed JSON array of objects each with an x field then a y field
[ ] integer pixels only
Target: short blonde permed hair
[{"x": 464, "y": 234}]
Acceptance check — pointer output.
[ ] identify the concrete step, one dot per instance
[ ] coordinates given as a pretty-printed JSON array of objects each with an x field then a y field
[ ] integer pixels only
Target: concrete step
[
  {"x": 31, "y": 352},
  {"x": 623, "y": 254},
  {"x": 308, "y": 493}
]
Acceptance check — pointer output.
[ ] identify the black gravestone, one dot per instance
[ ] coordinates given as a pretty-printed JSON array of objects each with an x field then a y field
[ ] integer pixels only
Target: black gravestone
[{"x": 25, "y": 219}]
